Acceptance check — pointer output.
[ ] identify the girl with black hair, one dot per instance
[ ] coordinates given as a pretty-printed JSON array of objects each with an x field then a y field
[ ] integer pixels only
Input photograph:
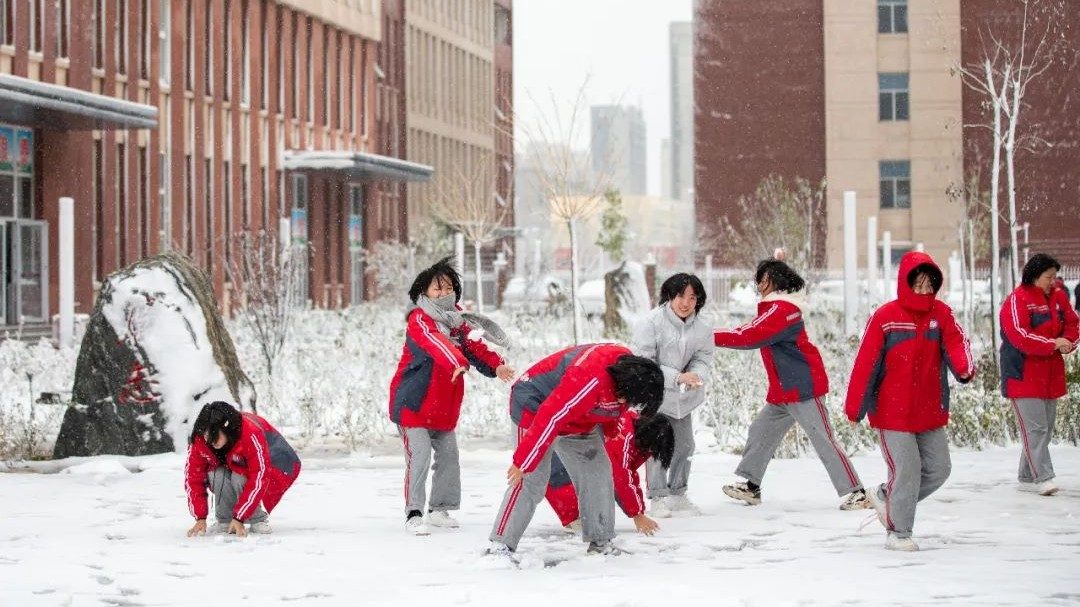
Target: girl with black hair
[
  {"x": 244, "y": 461},
  {"x": 677, "y": 338},
  {"x": 441, "y": 344},
  {"x": 797, "y": 383},
  {"x": 567, "y": 403},
  {"x": 1038, "y": 326}
]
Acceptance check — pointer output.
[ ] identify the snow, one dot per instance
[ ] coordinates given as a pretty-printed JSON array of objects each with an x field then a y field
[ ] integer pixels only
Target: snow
[
  {"x": 118, "y": 539},
  {"x": 150, "y": 307}
]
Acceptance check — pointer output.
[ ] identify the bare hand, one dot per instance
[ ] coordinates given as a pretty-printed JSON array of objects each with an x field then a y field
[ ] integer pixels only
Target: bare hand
[
  {"x": 199, "y": 528},
  {"x": 1063, "y": 345},
  {"x": 457, "y": 373},
  {"x": 645, "y": 524},
  {"x": 505, "y": 373},
  {"x": 690, "y": 380},
  {"x": 237, "y": 528},
  {"x": 514, "y": 476}
]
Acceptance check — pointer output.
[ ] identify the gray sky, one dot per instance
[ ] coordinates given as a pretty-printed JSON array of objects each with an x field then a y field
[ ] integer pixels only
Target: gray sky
[{"x": 620, "y": 45}]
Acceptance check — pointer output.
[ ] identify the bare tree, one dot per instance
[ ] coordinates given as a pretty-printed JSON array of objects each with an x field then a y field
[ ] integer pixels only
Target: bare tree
[
  {"x": 1009, "y": 62},
  {"x": 266, "y": 276},
  {"x": 567, "y": 180},
  {"x": 467, "y": 202}
]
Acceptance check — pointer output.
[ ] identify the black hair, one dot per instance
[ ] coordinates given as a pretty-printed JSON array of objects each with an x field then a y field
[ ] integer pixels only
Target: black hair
[
  {"x": 677, "y": 283},
  {"x": 1034, "y": 268},
  {"x": 214, "y": 418},
  {"x": 442, "y": 268},
  {"x": 639, "y": 381},
  {"x": 780, "y": 275},
  {"x": 655, "y": 436},
  {"x": 932, "y": 271}
]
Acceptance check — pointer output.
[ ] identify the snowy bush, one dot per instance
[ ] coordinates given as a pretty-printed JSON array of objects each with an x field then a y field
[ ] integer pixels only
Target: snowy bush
[{"x": 27, "y": 428}]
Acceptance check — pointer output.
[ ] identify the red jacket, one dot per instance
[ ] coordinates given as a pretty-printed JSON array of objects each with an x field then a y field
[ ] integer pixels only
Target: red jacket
[
  {"x": 421, "y": 393},
  {"x": 899, "y": 378},
  {"x": 575, "y": 394},
  {"x": 1031, "y": 366},
  {"x": 261, "y": 455},
  {"x": 793, "y": 364}
]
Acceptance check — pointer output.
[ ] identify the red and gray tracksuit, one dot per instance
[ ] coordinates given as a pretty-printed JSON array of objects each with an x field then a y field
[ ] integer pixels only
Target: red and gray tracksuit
[
  {"x": 577, "y": 408},
  {"x": 797, "y": 383},
  {"x": 255, "y": 473},
  {"x": 900, "y": 379},
  {"x": 1033, "y": 370},
  {"x": 425, "y": 405}
]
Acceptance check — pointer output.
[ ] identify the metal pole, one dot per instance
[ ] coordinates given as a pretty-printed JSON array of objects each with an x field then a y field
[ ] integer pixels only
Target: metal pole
[
  {"x": 886, "y": 263},
  {"x": 851, "y": 293},
  {"x": 67, "y": 272},
  {"x": 873, "y": 287}
]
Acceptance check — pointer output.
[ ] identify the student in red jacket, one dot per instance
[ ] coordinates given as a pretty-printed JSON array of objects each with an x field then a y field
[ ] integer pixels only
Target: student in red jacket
[
  {"x": 797, "y": 385},
  {"x": 426, "y": 392},
  {"x": 244, "y": 462},
  {"x": 582, "y": 391},
  {"x": 637, "y": 440},
  {"x": 1038, "y": 326},
  {"x": 900, "y": 380}
]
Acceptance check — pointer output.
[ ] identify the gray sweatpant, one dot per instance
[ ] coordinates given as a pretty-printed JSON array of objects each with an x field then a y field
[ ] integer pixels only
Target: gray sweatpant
[
  {"x": 769, "y": 428},
  {"x": 446, "y": 480},
  {"x": 918, "y": 465},
  {"x": 1035, "y": 417},
  {"x": 673, "y": 480},
  {"x": 587, "y": 462},
  {"x": 226, "y": 487}
]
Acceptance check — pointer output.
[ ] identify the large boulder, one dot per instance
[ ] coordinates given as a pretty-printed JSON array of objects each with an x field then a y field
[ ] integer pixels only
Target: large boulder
[{"x": 155, "y": 351}]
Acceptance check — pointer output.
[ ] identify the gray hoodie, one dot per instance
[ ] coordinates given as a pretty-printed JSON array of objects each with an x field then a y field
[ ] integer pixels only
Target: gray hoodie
[{"x": 678, "y": 347}]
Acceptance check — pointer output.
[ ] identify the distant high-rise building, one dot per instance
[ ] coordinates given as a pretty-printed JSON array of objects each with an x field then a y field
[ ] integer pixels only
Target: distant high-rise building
[
  {"x": 665, "y": 168},
  {"x": 618, "y": 146},
  {"x": 682, "y": 111}
]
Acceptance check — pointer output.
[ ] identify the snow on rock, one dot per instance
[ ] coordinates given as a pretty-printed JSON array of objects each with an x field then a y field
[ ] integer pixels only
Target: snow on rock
[
  {"x": 98, "y": 467},
  {"x": 155, "y": 352}
]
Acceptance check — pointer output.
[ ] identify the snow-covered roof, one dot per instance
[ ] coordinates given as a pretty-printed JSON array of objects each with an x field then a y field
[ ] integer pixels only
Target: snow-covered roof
[
  {"x": 40, "y": 104},
  {"x": 358, "y": 165}
]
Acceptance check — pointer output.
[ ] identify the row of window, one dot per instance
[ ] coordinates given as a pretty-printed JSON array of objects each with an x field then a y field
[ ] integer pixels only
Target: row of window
[
  {"x": 450, "y": 84},
  {"x": 894, "y": 105},
  {"x": 892, "y": 16},
  {"x": 36, "y": 17}
]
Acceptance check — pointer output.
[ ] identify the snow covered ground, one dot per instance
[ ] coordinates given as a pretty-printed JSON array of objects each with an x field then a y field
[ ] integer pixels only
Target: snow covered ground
[{"x": 98, "y": 534}]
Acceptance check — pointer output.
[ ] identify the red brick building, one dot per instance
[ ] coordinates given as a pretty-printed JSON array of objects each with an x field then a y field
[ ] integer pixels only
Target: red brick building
[{"x": 180, "y": 124}]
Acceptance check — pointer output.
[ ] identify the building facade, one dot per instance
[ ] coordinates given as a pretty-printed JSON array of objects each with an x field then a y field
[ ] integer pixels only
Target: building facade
[
  {"x": 865, "y": 96},
  {"x": 681, "y": 161},
  {"x": 217, "y": 118},
  {"x": 618, "y": 147}
]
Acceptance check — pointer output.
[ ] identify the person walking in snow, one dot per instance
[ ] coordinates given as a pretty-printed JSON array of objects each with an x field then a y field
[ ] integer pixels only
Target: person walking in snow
[
  {"x": 244, "y": 462},
  {"x": 675, "y": 336},
  {"x": 797, "y": 385},
  {"x": 900, "y": 380},
  {"x": 1038, "y": 326},
  {"x": 637, "y": 440},
  {"x": 441, "y": 344},
  {"x": 582, "y": 392}
]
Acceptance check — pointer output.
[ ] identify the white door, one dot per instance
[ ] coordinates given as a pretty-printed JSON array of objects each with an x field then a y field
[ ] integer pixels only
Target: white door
[{"x": 29, "y": 275}]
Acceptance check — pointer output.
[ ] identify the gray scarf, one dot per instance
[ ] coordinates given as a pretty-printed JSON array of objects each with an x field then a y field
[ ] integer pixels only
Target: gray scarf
[{"x": 446, "y": 315}]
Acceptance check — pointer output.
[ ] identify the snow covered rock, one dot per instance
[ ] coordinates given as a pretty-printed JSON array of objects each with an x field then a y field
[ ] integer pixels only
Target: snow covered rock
[
  {"x": 626, "y": 298},
  {"x": 154, "y": 353}
]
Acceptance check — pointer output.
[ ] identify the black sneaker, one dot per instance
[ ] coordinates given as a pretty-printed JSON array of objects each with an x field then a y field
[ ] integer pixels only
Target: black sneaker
[
  {"x": 744, "y": 492},
  {"x": 856, "y": 500}
]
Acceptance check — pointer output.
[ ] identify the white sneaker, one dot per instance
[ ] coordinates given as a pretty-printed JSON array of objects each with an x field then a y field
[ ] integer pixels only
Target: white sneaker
[
  {"x": 261, "y": 528},
  {"x": 856, "y": 500},
  {"x": 902, "y": 544},
  {"x": 441, "y": 518},
  {"x": 573, "y": 527},
  {"x": 218, "y": 528},
  {"x": 415, "y": 525},
  {"x": 878, "y": 506},
  {"x": 682, "y": 505},
  {"x": 499, "y": 556},
  {"x": 606, "y": 548},
  {"x": 1046, "y": 488},
  {"x": 658, "y": 508},
  {"x": 742, "y": 491}
]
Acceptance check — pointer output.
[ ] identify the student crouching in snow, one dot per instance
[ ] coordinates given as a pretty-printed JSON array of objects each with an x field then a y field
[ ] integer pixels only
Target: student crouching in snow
[
  {"x": 244, "y": 462},
  {"x": 797, "y": 386},
  {"x": 428, "y": 387},
  {"x": 676, "y": 337},
  {"x": 900, "y": 380},
  {"x": 582, "y": 392},
  {"x": 1038, "y": 326}
]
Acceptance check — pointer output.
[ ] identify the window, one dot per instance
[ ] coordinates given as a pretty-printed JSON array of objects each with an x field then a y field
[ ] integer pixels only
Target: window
[
  {"x": 7, "y": 21},
  {"x": 189, "y": 207},
  {"x": 121, "y": 205},
  {"x": 226, "y": 63},
  {"x": 352, "y": 87},
  {"x": 63, "y": 28},
  {"x": 326, "y": 76},
  {"x": 99, "y": 215},
  {"x": 208, "y": 40},
  {"x": 892, "y": 16},
  {"x": 264, "y": 184},
  {"x": 245, "y": 55},
  {"x": 189, "y": 46},
  {"x": 99, "y": 33},
  {"x": 295, "y": 98},
  {"x": 893, "y": 97},
  {"x": 895, "y": 184},
  {"x": 226, "y": 186},
  {"x": 163, "y": 38},
  {"x": 264, "y": 60},
  {"x": 121, "y": 36},
  {"x": 503, "y": 31},
  {"x": 37, "y": 18},
  {"x": 309, "y": 73},
  {"x": 142, "y": 165},
  {"x": 208, "y": 202},
  {"x": 144, "y": 39},
  {"x": 245, "y": 196},
  {"x": 165, "y": 203}
]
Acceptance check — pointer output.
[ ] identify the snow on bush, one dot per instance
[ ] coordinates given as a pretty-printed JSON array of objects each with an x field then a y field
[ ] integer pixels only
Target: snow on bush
[{"x": 27, "y": 428}]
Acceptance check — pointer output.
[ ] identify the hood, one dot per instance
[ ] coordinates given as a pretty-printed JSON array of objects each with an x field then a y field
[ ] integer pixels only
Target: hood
[
  {"x": 796, "y": 299},
  {"x": 909, "y": 263}
]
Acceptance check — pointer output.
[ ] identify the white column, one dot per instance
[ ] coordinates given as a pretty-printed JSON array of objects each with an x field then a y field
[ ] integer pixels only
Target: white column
[
  {"x": 284, "y": 233},
  {"x": 709, "y": 293},
  {"x": 851, "y": 292},
  {"x": 873, "y": 287},
  {"x": 67, "y": 272},
  {"x": 459, "y": 251},
  {"x": 886, "y": 264}
]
